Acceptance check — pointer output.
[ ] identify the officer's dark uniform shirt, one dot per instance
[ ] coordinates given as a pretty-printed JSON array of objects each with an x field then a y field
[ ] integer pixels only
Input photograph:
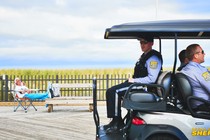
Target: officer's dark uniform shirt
[{"x": 148, "y": 67}]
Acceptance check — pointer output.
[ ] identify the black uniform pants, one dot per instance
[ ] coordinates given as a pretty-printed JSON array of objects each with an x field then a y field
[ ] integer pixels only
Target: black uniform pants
[{"x": 113, "y": 99}]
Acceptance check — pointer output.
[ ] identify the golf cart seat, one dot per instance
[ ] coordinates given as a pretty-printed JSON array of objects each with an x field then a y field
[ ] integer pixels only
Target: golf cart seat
[
  {"x": 186, "y": 98},
  {"x": 140, "y": 99}
]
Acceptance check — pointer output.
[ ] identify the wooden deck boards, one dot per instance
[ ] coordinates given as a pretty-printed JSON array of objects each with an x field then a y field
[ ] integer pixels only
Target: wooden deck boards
[{"x": 65, "y": 123}]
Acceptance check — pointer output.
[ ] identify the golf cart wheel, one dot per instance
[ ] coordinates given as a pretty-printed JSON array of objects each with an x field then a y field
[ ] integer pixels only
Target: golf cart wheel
[{"x": 162, "y": 137}]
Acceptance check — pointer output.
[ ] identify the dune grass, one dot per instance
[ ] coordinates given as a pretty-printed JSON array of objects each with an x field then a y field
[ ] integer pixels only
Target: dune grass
[{"x": 46, "y": 72}]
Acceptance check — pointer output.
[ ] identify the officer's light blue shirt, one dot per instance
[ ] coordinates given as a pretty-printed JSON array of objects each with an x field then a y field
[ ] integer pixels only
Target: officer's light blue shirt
[
  {"x": 199, "y": 77},
  {"x": 153, "y": 65}
]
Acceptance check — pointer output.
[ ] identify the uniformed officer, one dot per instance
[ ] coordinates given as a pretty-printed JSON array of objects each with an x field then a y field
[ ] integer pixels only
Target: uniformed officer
[
  {"x": 183, "y": 60},
  {"x": 146, "y": 70},
  {"x": 198, "y": 75}
]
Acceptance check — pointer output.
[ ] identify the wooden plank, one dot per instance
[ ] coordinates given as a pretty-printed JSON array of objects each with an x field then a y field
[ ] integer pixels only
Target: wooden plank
[
  {"x": 50, "y": 107},
  {"x": 75, "y": 85},
  {"x": 68, "y": 101},
  {"x": 99, "y": 103},
  {"x": 71, "y": 98}
]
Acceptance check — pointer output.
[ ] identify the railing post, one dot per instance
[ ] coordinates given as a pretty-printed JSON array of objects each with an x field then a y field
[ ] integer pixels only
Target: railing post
[
  {"x": 6, "y": 87},
  {"x": 1, "y": 84},
  {"x": 107, "y": 82},
  {"x": 4, "y": 96},
  {"x": 56, "y": 79}
]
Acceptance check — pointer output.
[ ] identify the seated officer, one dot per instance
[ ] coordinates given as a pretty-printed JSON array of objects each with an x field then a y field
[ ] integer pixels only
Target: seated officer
[
  {"x": 146, "y": 70},
  {"x": 199, "y": 76}
]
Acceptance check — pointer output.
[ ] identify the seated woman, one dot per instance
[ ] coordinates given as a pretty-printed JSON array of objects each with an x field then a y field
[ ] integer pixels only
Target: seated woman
[{"x": 23, "y": 92}]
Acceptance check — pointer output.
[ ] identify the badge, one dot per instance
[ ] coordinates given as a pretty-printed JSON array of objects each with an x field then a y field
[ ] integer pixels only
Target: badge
[
  {"x": 153, "y": 64},
  {"x": 206, "y": 76}
]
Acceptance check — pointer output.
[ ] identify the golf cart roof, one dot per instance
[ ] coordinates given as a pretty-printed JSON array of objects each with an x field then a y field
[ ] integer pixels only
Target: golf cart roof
[{"x": 184, "y": 29}]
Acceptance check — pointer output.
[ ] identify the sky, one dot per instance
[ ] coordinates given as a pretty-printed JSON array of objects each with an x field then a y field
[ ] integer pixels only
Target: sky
[{"x": 69, "y": 34}]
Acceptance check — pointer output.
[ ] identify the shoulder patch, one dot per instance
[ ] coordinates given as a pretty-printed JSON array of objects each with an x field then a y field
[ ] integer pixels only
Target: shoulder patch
[
  {"x": 153, "y": 64},
  {"x": 206, "y": 76}
]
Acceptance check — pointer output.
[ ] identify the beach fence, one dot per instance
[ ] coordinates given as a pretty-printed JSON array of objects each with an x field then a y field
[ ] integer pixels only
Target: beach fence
[{"x": 41, "y": 82}]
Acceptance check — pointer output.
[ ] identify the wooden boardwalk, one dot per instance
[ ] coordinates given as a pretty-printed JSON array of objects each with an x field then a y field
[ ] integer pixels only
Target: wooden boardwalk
[{"x": 65, "y": 123}]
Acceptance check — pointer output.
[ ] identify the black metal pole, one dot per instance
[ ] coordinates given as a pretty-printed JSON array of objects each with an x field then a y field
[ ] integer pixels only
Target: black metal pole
[
  {"x": 174, "y": 69},
  {"x": 95, "y": 111}
]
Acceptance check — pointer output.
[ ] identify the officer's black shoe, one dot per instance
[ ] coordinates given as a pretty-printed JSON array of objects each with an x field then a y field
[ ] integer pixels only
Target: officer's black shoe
[
  {"x": 114, "y": 126},
  {"x": 109, "y": 125}
]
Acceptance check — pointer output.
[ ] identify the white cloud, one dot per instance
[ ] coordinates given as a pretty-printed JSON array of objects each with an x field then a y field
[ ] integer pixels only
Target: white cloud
[
  {"x": 74, "y": 30},
  {"x": 27, "y": 23},
  {"x": 60, "y": 2}
]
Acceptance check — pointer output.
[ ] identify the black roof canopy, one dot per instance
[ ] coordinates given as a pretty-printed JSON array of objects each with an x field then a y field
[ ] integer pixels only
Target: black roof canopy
[{"x": 184, "y": 29}]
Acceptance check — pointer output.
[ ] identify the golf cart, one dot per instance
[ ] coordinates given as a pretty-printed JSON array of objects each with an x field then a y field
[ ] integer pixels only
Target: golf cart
[{"x": 165, "y": 114}]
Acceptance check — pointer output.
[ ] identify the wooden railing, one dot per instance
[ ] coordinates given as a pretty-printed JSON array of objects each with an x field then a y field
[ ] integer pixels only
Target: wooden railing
[{"x": 40, "y": 82}]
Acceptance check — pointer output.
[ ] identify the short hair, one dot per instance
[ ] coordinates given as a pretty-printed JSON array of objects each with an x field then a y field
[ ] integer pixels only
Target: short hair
[
  {"x": 148, "y": 38},
  {"x": 182, "y": 56},
  {"x": 191, "y": 50}
]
